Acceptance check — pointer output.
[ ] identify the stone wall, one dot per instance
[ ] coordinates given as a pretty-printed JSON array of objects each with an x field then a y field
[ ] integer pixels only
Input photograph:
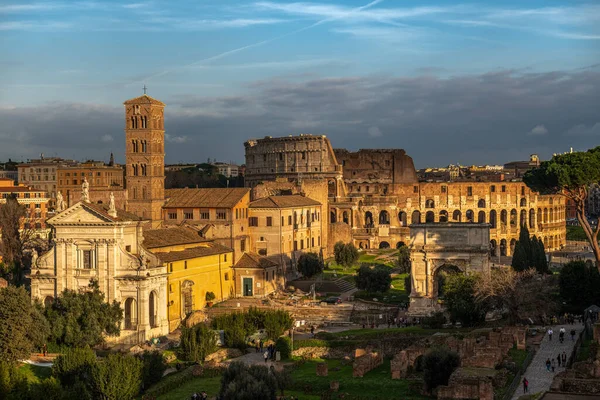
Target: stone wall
[
  {"x": 471, "y": 384},
  {"x": 364, "y": 361}
]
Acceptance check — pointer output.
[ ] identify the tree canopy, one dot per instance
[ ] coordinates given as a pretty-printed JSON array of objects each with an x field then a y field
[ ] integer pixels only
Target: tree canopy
[
  {"x": 242, "y": 382},
  {"x": 23, "y": 327},
  {"x": 345, "y": 254},
  {"x": 460, "y": 299},
  {"x": 403, "y": 259},
  {"x": 11, "y": 216},
  {"x": 570, "y": 175},
  {"x": 82, "y": 319},
  {"x": 578, "y": 283},
  {"x": 310, "y": 264},
  {"x": 529, "y": 253},
  {"x": 438, "y": 365},
  {"x": 374, "y": 280}
]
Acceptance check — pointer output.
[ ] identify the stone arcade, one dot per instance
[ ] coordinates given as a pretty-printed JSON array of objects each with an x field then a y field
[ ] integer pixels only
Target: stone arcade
[{"x": 437, "y": 248}]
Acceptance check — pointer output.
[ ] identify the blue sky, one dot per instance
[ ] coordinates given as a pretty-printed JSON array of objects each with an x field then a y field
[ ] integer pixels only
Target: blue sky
[{"x": 217, "y": 64}]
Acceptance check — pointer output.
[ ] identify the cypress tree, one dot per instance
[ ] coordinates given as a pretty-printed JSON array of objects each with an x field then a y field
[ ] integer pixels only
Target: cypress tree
[
  {"x": 519, "y": 259},
  {"x": 542, "y": 263},
  {"x": 524, "y": 252}
]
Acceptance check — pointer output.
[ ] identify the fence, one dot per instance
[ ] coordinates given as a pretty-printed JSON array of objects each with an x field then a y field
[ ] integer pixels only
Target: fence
[{"x": 517, "y": 379}]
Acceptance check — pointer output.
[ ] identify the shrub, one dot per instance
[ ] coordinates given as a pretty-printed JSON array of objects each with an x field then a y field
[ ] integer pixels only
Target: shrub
[
  {"x": 237, "y": 326},
  {"x": 373, "y": 280},
  {"x": 153, "y": 367},
  {"x": 74, "y": 365},
  {"x": 345, "y": 254},
  {"x": 403, "y": 262},
  {"x": 240, "y": 382},
  {"x": 48, "y": 389},
  {"x": 210, "y": 296},
  {"x": 438, "y": 365},
  {"x": 310, "y": 264},
  {"x": 276, "y": 322},
  {"x": 435, "y": 321},
  {"x": 118, "y": 377},
  {"x": 284, "y": 346},
  {"x": 197, "y": 342}
]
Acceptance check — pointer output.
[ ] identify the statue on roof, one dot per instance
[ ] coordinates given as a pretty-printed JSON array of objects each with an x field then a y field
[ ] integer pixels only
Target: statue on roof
[
  {"x": 60, "y": 202},
  {"x": 85, "y": 191},
  {"x": 112, "y": 209}
]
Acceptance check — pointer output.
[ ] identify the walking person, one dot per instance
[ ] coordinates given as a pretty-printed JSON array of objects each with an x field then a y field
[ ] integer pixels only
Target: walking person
[
  {"x": 261, "y": 345},
  {"x": 525, "y": 385},
  {"x": 266, "y": 356},
  {"x": 548, "y": 364},
  {"x": 572, "y": 335},
  {"x": 564, "y": 359},
  {"x": 561, "y": 334},
  {"x": 553, "y": 365},
  {"x": 550, "y": 333}
]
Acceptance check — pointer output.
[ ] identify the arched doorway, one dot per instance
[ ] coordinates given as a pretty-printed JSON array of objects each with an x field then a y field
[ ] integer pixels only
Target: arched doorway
[
  {"x": 384, "y": 218},
  {"x": 481, "y": 217},
  {"x": 384, "y": 245},
  {"x": 402, "y": 218},
  {"x": 440, "y": 277},
  {"x": 456, "y": 216},
  {"x": 503, "y": 247},
  {"x": 130, "y": 314},
  {"x": 368, "y": 219},
  {"x": 470, "y": 216},
  {"x": 153, "y": 309},
  {"x": 493, "y": 217},
  {"x": 48, "y": 301},
  {"x": 443, "y": 216},
  {"x": 400, "y": 244},
  {"x": 429, "y": 217},
  {"x": 493, "y": 247},
  {"x": 415, "y": 218}
]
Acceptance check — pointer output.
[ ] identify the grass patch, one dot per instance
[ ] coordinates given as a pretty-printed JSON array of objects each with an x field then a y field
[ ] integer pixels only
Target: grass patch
[
  {"x": 376, "y": 384},
  {"x": 356, "y": 334},
  {"x": 34, "y": 373},
  {"x": 584, "y": 351},
  {"x": 518, "y": 356},
  {"x": 575, "y": 232}
]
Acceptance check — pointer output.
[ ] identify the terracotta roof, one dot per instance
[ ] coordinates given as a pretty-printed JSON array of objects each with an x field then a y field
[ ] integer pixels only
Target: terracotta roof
[
  {"x": 122, "y": 215},
  {"x": 206, "y": 197},
  {"x": 154, "y": 238},
  {"x": 253, "y": 260},
  {"x": 295, "y": 200},
  {"x": 144, "y": 99},
  {"x": 200, "y": 251}
]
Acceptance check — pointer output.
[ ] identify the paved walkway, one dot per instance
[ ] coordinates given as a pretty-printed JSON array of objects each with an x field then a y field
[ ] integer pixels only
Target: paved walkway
[{"x": 537, "y": 375}]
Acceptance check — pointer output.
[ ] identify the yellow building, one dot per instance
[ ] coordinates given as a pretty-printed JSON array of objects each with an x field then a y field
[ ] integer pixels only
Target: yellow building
[{"x": 195, "y": 267}]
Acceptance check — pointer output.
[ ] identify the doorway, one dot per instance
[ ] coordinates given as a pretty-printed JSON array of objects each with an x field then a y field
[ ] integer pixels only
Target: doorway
[{"x": 247, "y": 285}]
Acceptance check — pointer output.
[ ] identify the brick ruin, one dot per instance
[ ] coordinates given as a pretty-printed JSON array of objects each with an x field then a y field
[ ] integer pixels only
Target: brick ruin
[{"x": 364, "y": 361}]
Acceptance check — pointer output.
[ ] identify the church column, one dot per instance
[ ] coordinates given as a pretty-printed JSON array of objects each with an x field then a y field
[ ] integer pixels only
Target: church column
[
  {"x": 143, "y": 310},
  {"x": 101, "y": 265}
]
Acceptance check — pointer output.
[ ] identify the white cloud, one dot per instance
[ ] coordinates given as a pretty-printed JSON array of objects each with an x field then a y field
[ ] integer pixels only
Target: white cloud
[
  {"x": 584, "y": 130},
  {"x": 175, "y": 139},
  {"x": 107, "y": 138},
  {"x": 375, "y": 132},
  {"x": 538, "y": 130}
]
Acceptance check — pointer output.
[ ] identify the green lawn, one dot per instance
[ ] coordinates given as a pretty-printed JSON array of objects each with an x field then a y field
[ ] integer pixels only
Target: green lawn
[
  {"x": 363, "y": 258},
  {"x": 374, "y": 333},
  {"x": 35, "y": 374},
  {"x": 376, "y": 384},
  {"x": 576, "y": 233}
]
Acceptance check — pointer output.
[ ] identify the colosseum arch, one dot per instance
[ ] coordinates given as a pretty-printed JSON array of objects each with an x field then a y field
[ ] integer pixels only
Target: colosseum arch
[
  {"x": 481, "y": 203},
  {"x": 402, "y": 218},
  {"x": 470, "y": 216},
  {"x": 415, "y": 217},
  {"x": 345, "y": 217},
  {"x": 504, "y": 217},
  {"x": 493, "y": 248},
  {"x": 523, "y": 219},
  {"x": 531, "y": 218},
  {"x": 481, "y": 217},
  {"x": 456, "y": 216},
  {"x": 523, "y": 202},
  {"x": 513, "y": 217},
  {"x": 429, "y": 203},
  {"x": 384, "y": 218},
  {"x": 503, "y": 247},
  {"x": 429, "y": 217},
  {"x": 369, "y": 219},
  {"x": 545, "y": 215},
  {"x": 493, "y": 218},
  {"x": 443, "y": 216},
  {"x": 384, "y": 245},
  {"x": 437, "y": 248}
]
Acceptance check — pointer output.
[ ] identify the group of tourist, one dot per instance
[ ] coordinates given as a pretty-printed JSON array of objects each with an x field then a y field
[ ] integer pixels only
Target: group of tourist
[{"x": 561, "y": 359}]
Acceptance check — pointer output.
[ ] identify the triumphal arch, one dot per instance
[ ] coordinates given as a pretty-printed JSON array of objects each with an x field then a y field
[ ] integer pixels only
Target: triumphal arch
[{"x": 437, "y": 248}]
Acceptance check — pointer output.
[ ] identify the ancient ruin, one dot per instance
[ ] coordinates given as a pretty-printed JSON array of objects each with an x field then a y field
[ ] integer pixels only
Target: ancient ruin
[{"x": 364, "y": 361}]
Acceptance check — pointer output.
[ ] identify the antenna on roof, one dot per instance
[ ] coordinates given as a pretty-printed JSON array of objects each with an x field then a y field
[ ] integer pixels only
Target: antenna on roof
[{"x": 145, "y": 88}]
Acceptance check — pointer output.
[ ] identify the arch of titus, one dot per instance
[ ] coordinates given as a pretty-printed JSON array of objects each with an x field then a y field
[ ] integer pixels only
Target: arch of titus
[{"x": 435, "y": 247}]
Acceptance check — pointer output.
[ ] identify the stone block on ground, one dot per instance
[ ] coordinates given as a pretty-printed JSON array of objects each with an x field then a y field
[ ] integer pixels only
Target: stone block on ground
[{"x": 322, "y": 369}]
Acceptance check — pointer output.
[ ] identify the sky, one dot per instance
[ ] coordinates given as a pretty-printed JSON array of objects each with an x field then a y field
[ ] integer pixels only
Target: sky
[{"x": 469, "y": 82}]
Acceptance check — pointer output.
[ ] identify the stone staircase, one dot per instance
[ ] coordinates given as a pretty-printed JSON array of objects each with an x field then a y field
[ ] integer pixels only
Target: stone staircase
[{"x": 344, "y": 285}]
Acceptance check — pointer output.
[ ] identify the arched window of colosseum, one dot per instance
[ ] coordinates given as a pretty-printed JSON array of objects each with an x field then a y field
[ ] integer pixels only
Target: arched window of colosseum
[
  {"x": 551, "y": 217},
  {"x": 551, "y": 200},
  {"x": 429, "y": 217},
  {"x": 523, "y": 219},
  {"x": 368, "y": 219},
  {"x": 513, "y": 243},
  {"x": 384, "y": 218},
  {"x": 481, "y": 217},
  {"x": 493, "y": 217},
  {"x": 504, "y": 217},
  {"x": 384, "y": 245},
  {"x": 402, "y": 218},
  {"x": 513, "y": 217},
  {"x": 523, "y": 202},
  {"x": 481, "y": 203},
  {"x": 545, "y": 215},
  {"x": 493, "y": 247},
  {"x": 429, "y": 203},
  {"x": 400, "y": 244},
  {"x": 333, "y": 218},
  {"x": 470, "y": 216},
  {"x": 443, "y": 216},
  {"x": 531, "y": 218},
  {"x": 456, "y": 216},
  {"x": 539, "y": 216},
  {"x": 345, "y": 218},
  {"x": 503, "y": 247},
  {"x": 415, "y": 218}
]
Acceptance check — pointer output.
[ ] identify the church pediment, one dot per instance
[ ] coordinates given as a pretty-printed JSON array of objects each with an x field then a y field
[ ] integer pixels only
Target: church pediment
[{"x": 79, "y": 213}]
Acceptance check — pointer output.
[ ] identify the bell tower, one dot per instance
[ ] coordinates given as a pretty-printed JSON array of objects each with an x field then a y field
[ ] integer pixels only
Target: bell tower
[{"x": 145, "y": 157}]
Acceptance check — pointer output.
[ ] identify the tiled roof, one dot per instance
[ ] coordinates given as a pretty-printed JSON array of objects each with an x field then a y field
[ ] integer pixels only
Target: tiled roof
[
  {"x": 253, "y": 260},
  {"x": 144, "y": 99},
  {"x": 205, "y": 197},
  {"x": 204, "y": 250},
  {"x": 295, "y": 200},
  {"x": 122, "y": 215},
  {"x": 154, "y": 238}
]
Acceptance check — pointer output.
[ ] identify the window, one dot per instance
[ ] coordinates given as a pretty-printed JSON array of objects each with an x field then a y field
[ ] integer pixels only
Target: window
[
  {"x": 280, "y": 156},
  {"x": 319, "y": 239},
  {"x": 173, "y": 215},
  {"x": 170, "y": 288},
  {"x": 469, "y": 190},
  {"x": 74, "y": 181},
  {"x": 171, "y": 267},
  {"x": 367, "y": 189},
  {"x": 503, "y": 188},
  {"x": 237, "y": 213},
  {"x": 221, "y": 214},
  {"x": 444, "y": 188},
  {"x": 493, "y": 188},
  {"x": 301, "y": 244},
  {"x": 226, "y": 276},
  {"x": 522, "y": 190},
  {"x": 188, "y": 214},
  {"x": 262, "y": 252},
  {"x": 243, "y": 245},
  {"x": 86, "y": 259},
  {"x": 269, "y": 221},
  {"x": 312, "y": 242},
  {"x": 185, "y": 264},
  {"x": 224, "y": 257},
  {"x": 304, "y": 155},
  {"x": 289, "y": 219},
  {"x": 282, "y": 221},
  {"x": 415, "y": 189},
  {"x": 253, "y": 221},
  {"x": 295, "y": 245},
  {"x": 204, "y": 213},
  {"x": 128, "y": 248}
]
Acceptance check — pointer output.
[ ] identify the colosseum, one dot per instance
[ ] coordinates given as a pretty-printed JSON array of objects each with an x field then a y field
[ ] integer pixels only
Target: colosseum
[{"x": 374, "y": 195}]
